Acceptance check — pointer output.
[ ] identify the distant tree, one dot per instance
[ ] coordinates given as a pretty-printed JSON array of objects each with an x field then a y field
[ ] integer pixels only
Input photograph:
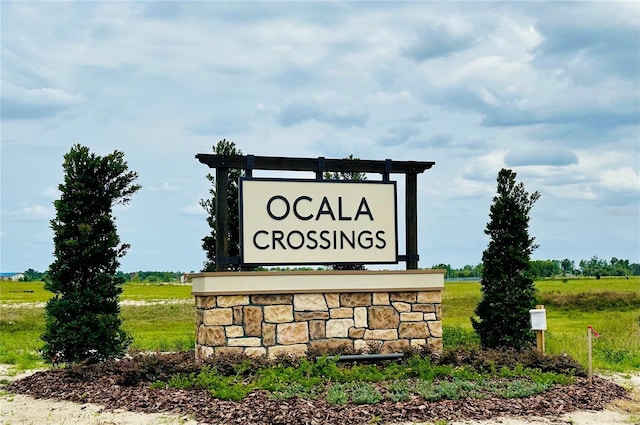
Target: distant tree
[
  {"x": 508, "y": 290},
  {"x": 82, "y": 318},
  {"x": 223, "y": 147},
  {"x": 544, "y": 268},
  {"x": 445, "y": 267},
  {"x": 30, "y": 275},
  {"x": 346, "y": 175},
  {"x": 568, "y": 266}
]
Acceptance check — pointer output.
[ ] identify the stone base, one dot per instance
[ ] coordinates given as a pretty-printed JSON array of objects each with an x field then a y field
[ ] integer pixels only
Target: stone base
[{"x": 230, "y": 319}]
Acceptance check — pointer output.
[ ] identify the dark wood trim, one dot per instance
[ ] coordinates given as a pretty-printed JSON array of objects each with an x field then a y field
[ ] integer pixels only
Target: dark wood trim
[
  {"x": 222, "y": 218},
  {"x": 411, "y": 220},
  {"x": 315, "y": 164}
]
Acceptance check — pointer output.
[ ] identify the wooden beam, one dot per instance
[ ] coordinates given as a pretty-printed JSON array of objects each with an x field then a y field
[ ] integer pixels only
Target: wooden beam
[{"x": 313, "y": 164}]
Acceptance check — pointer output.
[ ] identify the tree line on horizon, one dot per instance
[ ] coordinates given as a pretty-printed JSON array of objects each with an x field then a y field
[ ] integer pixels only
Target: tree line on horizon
[
  {"x": 594, "y": 267},
  {"x": 539, "y": 269}
]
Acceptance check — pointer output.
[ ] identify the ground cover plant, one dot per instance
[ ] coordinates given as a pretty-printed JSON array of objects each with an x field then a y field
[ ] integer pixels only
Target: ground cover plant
[{"x": 462, "y": 383}]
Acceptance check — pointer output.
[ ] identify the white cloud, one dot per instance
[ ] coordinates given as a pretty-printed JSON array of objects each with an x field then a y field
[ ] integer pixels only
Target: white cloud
[
  {"x": 193, "y": 210},
  {"x": 23, "y": 103},
  {"x": 164, "y": 187},
  {"x": 621, "y": 180}
]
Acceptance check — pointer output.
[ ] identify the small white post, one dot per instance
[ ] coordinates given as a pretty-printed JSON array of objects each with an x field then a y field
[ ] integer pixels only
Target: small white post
[
  {"x": 590, "y": 363},
  {"x": 539, "y": 324}
]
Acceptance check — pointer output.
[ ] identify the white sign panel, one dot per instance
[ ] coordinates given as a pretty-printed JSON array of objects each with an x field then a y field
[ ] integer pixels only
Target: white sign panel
[{"x": 318, "y": 222}]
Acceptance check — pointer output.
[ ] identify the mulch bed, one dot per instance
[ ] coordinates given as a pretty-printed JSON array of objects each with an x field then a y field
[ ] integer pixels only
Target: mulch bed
[{"x": 111, "y": 391}]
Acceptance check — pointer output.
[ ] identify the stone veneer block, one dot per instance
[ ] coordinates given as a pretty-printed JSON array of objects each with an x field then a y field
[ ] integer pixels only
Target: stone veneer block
[
  {"x": 430, "y": 297},
  {"x": 206, "y": 302},
  {"x": 397, "y": 346},
  {"x": 297, "y": 350},
  {"x": 439, "y": 311},
  {"x": 383, "y": 317},
  {"x": 338, "y": 328},
  {"x": 331, "y": 345},
  {"x": 226, "y": 351},
  {"x": 424, "y": 308},
  {"x": 341, "y": 313},
  {"x": 204, "y": 351},
  {"x": 304, "y": 316},
  {"x": 429, "y": 317},
  {"x": 383, "y": 334},
  {"x": 244, "y": 342},
  {"x": 234, "y": 331},
  {"x": 333, "y": 300},
  {"x": 405, "y": 297},
  {"x": 232, "y": 300},
  {"x": 268, "y": 334},
  {"x": 356, "y": 333},
  {"x": 252, "y": 321},
  {"x": 412, "y": 317},
  {"x": 413, "y": 330},
  {"x": 199, "y": 316},
  {"x": 380, "y": 298},
  {"x": 237, "y": 315},
  {"x": 255, "y": 351},
  {"x": 317, "y": 329},
  {"x": 360, "y": 345},
  {"x": 272, "y": 299},
  {"x": 218, "y": 316},
  {"x": 435, "y": 345},
  {"x": 292, "y": 333},
  {"x": 278, "y": 313},
  {"x": 436, "y": 329},
  {"x": 418, "y": 343},
  {"x": 360, "y": 317},
  {"x": 309, "y": 302},
  {"x": 211, "y": 335},
  {"x": 356, "y": 299},
  {"x": 401, "y": 307}
]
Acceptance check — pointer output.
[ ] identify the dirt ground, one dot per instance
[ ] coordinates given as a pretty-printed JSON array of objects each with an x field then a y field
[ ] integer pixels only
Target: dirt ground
[{"x": 17, "y": 409}]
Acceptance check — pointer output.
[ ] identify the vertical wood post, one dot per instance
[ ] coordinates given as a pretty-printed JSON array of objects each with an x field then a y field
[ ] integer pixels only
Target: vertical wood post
[
  {"x": 222, "y": 218},
  {"x": 590, "y": 357},
  {"x": 540, "y": 335},
  {"x": 411, "y": 217}
]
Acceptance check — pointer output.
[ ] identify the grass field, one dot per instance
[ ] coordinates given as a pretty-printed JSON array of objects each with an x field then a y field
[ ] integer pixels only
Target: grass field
[
  {"x": 611, "y": 306},
  {"x": 34, "y": 292}
]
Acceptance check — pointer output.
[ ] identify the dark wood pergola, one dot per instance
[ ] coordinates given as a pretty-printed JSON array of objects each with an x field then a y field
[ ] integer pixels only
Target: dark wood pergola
[{"x": 411, "y": 169}]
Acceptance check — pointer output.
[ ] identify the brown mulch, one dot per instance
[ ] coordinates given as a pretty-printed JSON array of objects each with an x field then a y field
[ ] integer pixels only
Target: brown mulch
[{"x": 113, "y": 392}]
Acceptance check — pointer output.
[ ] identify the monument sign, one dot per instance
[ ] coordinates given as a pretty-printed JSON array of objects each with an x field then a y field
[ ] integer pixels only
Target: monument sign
[{"x": 317, "y": 222}]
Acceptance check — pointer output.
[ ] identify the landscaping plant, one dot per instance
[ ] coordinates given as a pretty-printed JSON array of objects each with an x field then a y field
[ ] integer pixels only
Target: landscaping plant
[
  {"x": 82, "y": 318},
  {"x": 508, "y": 291}
]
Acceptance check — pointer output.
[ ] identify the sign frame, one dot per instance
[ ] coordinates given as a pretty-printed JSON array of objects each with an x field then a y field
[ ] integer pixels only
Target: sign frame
[{"x": 393, "y": 240}]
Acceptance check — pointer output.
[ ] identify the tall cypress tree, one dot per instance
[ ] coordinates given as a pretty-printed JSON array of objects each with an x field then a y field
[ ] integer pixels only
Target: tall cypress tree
[
  {"x": 82, "y": 318},
  {"x": 508, "y": 290}
]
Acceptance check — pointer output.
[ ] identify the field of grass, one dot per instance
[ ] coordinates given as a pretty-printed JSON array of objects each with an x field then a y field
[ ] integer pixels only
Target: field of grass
[
  {"x": 610, "y": 305},
  {"x": 34, "y": 292},
  {"x": 571, "y": 307}
]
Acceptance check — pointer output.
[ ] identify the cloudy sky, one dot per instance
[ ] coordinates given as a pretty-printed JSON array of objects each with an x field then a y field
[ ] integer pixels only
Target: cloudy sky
[{"x": 550, "y": 90}]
